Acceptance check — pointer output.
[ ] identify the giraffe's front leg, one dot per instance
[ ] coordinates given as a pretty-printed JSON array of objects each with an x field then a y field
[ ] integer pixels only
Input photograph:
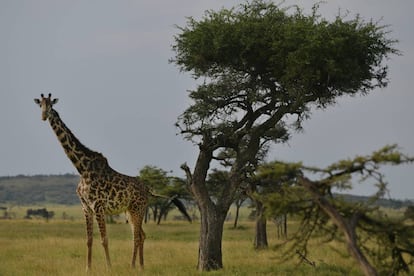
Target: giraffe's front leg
[
  {"x": 89, "y": 234},
  {"x": 100, "y": 218}
]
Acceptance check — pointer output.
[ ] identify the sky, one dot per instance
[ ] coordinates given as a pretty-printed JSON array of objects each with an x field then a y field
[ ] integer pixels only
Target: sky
[{"x": 107, "y": 62}]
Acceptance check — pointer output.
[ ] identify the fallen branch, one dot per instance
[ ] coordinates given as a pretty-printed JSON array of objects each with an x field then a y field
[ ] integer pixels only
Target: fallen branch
[{"x": 306, "y": 260}]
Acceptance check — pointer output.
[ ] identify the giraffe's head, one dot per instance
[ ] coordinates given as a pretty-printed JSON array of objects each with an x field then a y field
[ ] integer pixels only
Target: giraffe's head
[{"x": 46, "y": 105}]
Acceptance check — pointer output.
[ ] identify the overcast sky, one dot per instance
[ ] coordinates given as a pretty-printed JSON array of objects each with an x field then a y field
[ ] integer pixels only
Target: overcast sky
[{"x": 107, "y": 62}]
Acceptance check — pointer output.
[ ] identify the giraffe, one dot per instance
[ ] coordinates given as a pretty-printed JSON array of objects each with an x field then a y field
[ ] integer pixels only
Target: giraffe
[{"x": 101, "y": 189}]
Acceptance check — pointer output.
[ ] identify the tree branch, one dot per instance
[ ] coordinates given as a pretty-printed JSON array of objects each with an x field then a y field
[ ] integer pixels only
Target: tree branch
[{"x": 188, "y": 174}]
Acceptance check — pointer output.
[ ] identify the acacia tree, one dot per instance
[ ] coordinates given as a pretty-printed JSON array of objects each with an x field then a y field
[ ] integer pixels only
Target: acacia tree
[
  {"x": 261, "y": 66},
  {"x": 378, "y": 244}
]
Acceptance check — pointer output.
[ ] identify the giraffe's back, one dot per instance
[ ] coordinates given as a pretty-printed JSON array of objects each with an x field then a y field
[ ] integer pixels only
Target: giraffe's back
[{"x": 112, "y": 193}]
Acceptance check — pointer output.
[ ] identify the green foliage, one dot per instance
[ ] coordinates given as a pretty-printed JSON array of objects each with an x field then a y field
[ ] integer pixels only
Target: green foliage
[
  {"x": 154, "y": 177},
  {"x": 270, "y": 182},
  {"x": 388, "y": 155},
  {"x": 339, "y": 174},
  {"x": 217, "y": 180},
  {"x": 277, "y": 172},
  {"x": 394, "y": 238},
  {"x": 262, "y": 38}
]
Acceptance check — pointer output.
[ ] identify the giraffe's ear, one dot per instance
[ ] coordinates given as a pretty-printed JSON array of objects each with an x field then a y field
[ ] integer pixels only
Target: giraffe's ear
[
  {"x": 54, "y": 101},
  {"x": 37, "y": 101}
]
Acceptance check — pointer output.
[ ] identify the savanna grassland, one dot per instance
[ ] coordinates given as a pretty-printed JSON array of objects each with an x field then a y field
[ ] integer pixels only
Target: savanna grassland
[{"x": 58, "y": 247}]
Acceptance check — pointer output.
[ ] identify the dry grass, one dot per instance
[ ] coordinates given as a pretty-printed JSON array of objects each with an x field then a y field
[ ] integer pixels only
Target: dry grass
[{"x": 58, "y": 247}]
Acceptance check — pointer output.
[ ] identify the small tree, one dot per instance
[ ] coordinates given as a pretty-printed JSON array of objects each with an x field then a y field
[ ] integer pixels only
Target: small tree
[
  {"x": 261, "y": 67},
  {"x": 164, "y": 185},
  {"x": 270, "y": 178},
  {"x": 157, "y": 179},
  {"x": 359, "y": 225},
  {"x": 176, "y": 189},
  {"x": 240, "y": 198}
]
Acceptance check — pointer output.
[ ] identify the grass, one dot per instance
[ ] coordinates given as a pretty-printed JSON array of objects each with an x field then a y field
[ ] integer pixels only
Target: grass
[{"x": 58, "y": 247}]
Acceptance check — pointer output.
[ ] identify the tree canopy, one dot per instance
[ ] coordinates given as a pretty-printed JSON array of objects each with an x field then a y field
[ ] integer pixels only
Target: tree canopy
[{"x": 260, "y": 61}]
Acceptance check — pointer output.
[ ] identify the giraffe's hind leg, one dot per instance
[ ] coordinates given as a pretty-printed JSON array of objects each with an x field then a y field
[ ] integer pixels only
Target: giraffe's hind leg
[{"x": 139, "y": 237}]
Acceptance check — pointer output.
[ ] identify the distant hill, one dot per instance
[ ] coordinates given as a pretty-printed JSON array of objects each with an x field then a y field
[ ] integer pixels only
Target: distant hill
[
  {"x": 383, "y": 202},
  {"x": 61, "y": 189},
  {"x": 39, "y": 189}
]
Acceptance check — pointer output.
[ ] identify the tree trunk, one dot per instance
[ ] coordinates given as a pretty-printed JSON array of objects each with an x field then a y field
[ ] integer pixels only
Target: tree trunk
[
  {"x": 281, "y": 225},
  {"x": 210, "y": 243},
  {"x": 260, "y": 240},
  {"x": 212, "y": 217},
  {"x": 353, "y": 248},
  {"x": 236, "y": 219},
  {"x": 285, "y": 226},
  {"x": 347, "y": 227},
  {"x": 213, "y": 214},
  {"x": 146, "y": 215},
  {"x": 155, "y": 213}
]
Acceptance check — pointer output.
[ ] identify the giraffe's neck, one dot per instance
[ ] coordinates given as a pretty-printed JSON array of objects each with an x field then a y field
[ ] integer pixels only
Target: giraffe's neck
[{"x": 82, "y": 158}]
